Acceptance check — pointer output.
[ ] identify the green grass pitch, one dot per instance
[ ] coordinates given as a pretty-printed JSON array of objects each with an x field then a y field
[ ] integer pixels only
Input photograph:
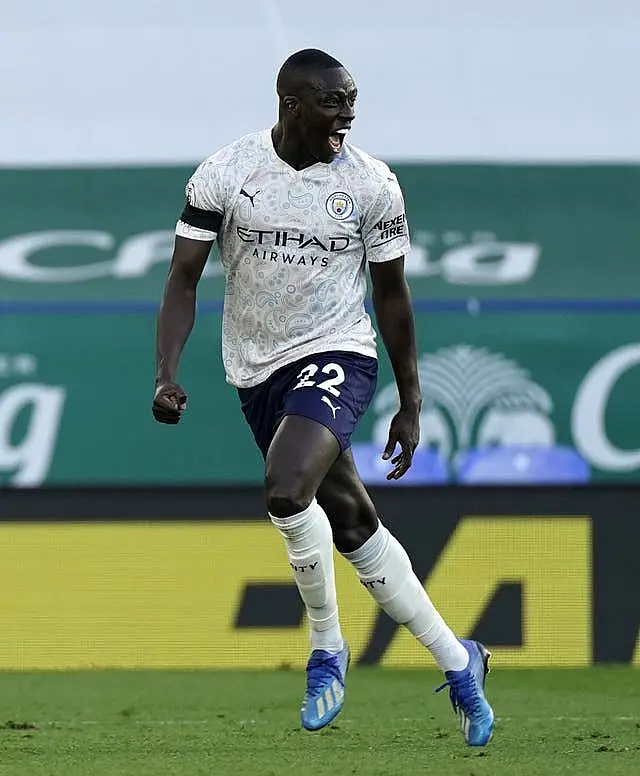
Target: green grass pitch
[{"x": 149, "y": 723}]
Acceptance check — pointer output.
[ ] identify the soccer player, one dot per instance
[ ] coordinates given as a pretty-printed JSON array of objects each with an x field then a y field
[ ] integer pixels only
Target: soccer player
[{"x": 298, "y": 215}]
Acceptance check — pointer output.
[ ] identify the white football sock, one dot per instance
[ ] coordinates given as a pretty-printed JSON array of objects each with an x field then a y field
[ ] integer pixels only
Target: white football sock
[
  {"x": 309, "y": 542},
  {"x": 385, "y": 570}
]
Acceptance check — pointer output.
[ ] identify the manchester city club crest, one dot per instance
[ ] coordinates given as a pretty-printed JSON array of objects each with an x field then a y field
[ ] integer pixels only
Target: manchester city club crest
[{"x": 339, "y": 206}]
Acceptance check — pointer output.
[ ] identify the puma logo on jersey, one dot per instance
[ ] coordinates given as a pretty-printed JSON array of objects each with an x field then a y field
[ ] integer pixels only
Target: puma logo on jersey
[
  {"x": 333, "y": 409},
  {"x": 250, "y": 197}
]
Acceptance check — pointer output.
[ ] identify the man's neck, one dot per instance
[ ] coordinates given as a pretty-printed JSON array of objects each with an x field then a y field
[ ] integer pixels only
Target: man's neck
[{"x": 289, "y": 149}]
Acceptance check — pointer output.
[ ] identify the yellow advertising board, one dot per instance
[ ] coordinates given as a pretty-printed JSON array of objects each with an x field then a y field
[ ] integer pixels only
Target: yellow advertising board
[{"x": 219, "y": 594}]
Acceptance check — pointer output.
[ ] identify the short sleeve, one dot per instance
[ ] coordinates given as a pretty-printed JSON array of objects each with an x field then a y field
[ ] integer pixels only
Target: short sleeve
[
  {"x": 385, "y": 230},
  {"x": 203, "y": 212}
]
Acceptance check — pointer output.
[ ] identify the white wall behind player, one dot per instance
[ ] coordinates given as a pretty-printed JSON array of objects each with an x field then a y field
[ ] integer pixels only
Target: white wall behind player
[{"x": 451, "y": 80}]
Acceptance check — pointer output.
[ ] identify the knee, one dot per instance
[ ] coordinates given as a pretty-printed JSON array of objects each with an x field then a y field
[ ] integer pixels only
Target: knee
[
  {"x": 351, "y": 539},
  {"x": 287, "y": 494},
  {"x": 286, "y": 504},
  {"x": 356, "y": 523}
]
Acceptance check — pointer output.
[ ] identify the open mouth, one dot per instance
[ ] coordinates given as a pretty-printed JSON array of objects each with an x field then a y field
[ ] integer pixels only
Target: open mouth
[{"x": 336, "y": 139}]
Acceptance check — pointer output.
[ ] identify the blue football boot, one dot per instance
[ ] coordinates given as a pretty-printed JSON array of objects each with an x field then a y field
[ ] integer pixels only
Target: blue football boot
[
  {"x": 324, "y": 696},
  {"x": 466, "y": 692}
]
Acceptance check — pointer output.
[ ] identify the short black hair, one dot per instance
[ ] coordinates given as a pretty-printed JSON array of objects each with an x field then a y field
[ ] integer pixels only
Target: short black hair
[
  {"x": 305, "y": 61},
  {"x": 310, "y": 59}
]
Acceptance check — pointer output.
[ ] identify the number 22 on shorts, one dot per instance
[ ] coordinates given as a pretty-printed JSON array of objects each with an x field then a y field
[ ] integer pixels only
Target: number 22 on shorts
[{"x": 334, "y": 372}]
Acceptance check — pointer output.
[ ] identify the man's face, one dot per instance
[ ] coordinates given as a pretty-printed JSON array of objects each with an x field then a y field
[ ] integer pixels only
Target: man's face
[{"x": 325, "y": 111}]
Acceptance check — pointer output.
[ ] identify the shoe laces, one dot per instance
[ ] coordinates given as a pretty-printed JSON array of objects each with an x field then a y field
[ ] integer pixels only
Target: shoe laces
[
  {"x": 463, "y": 693},
  {"x": 320, "y": 670}
]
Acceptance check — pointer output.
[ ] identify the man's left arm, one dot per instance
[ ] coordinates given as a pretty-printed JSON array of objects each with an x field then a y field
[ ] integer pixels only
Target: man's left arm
[
  {"x": 386, "y": 239},
  {"x": 394, "y": 314}
]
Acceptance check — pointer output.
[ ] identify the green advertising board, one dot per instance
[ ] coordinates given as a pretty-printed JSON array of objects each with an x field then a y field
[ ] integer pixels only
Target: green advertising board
[
  {"x": 75, "y": 396},
  {"x": 477, "y": 231},
  {"x": 526, "y": 306}
]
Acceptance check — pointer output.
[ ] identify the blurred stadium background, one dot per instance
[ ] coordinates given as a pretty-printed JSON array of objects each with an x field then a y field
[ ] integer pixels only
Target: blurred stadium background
[{"x": 516, "y": 136}]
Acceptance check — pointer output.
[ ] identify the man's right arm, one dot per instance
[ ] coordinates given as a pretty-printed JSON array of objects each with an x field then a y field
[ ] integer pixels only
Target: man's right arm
[
  {"x": 196, "y": 231},
  {"x": 176, "y": 317},
  {"x": 178, "y": 307}
]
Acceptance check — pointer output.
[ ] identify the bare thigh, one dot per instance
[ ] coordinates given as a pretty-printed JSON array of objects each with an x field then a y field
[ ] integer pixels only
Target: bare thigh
[{"x": 301, "y": 454}]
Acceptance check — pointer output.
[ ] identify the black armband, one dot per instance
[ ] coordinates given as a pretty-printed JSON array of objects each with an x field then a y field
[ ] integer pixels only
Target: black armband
[{"x": 210, "y": 220}]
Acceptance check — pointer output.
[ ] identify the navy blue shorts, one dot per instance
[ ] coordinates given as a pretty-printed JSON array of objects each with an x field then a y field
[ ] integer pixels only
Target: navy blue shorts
[{"x": 333, "y": 389}]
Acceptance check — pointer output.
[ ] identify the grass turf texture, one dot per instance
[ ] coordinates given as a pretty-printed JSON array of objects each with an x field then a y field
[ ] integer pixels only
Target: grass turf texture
[{"x": 246, "y": 724}]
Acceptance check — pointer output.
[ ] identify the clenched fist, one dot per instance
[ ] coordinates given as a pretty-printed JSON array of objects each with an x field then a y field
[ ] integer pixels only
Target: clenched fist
[{"x": 169, "y": 402}]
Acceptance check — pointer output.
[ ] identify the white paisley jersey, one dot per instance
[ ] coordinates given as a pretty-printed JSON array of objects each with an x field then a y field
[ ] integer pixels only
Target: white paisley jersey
[{"x": 294, "y": 246}]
